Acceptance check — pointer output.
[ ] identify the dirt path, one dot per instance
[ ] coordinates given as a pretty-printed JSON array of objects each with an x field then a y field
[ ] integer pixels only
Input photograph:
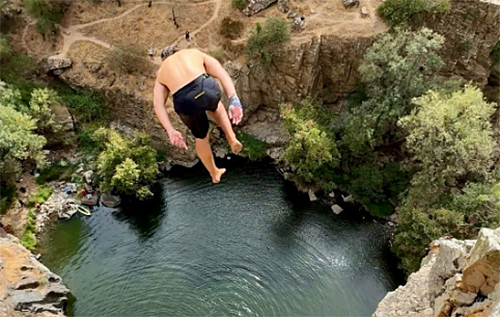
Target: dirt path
[{"x": 72, "y": 33}]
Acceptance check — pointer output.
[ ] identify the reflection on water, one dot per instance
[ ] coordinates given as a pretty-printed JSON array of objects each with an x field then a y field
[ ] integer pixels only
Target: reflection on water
[{"x": 249, "y": 246}]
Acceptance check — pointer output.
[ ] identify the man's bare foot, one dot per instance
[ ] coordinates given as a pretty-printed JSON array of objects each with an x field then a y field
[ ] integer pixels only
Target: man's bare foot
[
  {"x": 218, "y": 175},
  {"x": 236, "y": 146}
]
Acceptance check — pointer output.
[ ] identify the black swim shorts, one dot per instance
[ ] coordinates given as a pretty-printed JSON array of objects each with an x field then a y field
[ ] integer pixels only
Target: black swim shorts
[{"x": 192, "y": 100}]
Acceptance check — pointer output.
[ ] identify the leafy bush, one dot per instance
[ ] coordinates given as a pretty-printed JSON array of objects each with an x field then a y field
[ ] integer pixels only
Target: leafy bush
[
  {"x": 28, "y": 239},
  {"x": 42, "y": 100},
  {"x": 449, "y": 140},
  {"x": 230, "y": 29},
  {"x": 240, "y": 4},
  {"x": 15, "y": 67},
  {"x": 7, "y": 195},
  {"x": 265, "y": 44},
  {"x": 47, "y": 13},
  {"x": 128, "y": 58},
  {"x": 42, "y": 194},
  {"x": 126, "y": 164},
  {"x": 396, "y": 12},
  {"x": 310, "y": 150},
  {"x": 254, "y": 148},
  {"x": 18, "y": 142},
  {"x": 55, "y": 171},
  {"x": 87, "y": 104}
]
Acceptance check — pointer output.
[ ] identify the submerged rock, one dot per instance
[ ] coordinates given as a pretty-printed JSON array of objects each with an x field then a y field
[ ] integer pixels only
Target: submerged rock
[
  {"x": 337, "y": 209},
  {"x": 110, "y": 201},
  {"x": 312, "y": 196}
]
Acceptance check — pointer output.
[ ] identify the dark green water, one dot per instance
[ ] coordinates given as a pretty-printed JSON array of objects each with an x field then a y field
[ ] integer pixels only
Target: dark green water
[{"x": 251, "y": 246}]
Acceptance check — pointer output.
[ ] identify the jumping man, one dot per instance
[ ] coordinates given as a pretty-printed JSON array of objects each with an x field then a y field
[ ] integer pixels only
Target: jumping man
[{"x": 187, "y": 75}]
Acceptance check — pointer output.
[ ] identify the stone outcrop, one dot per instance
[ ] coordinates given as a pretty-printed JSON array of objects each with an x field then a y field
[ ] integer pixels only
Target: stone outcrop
[
  {"x": 255, "y": 6},
  {"x": 27, "y": 287},
  {"x": 320, "y": 66},
  {"x": 457, "y": 279},
  {"x": 56, "y": 64}
]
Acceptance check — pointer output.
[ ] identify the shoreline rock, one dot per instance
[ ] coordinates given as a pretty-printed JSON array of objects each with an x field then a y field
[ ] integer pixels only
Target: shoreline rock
[{"x": 27, "y": 287}]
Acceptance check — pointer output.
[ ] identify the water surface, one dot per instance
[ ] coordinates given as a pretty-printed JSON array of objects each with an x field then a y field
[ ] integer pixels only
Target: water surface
[{"x": 250, "y": 246}]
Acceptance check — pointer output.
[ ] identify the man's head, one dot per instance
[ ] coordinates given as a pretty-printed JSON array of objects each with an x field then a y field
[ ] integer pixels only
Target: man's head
[{"x": 170, "y": 50}]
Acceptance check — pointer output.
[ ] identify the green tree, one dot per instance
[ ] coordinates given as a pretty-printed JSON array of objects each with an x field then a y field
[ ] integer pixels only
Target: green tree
[
  {"x": 398, "y": 67},
  {"x": 266, "y": 43},
  {"x": 310, "y": 150},
  {"x": 126, "y": 164},
  {"x": 18, "y": 142},
  {"x": 396, "y": 12},
  {"x": 449, "y": 140},
  {"x": 42, "y": 100}
]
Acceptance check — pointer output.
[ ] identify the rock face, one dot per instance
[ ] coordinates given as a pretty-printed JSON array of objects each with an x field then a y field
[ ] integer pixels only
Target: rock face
[
  {"x": 27, "y": 287},
  {"x": 323, "y": 67},
  {"x": 255, "y": 6},
  {"x": 457, "y": 278},
  {"x": 56, "y": 64},
  {"x": 350, "y": 3}
]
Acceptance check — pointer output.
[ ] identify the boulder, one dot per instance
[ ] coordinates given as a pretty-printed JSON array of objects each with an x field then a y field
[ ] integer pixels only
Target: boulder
[
  {"x": 89, "y": 176},
  {"x": 110, "y": 201},
  {"x": 350, "y": 3},
  {"x": 482, "y": 271},
  {"x": 27, "y": 283},
  {"x": 298, "y": 24},
  {"x": 56, "y": 64},
  {"x": 348, "y": 199},
  {"x": 337, "y": 209},
  {"x": 283, "y": 6},
  {"x": 312, "y": 196},
  {"x": 364, "y": 12},
  {"x": 255, "y": 6},
  {"x": 90, "y": 200}
]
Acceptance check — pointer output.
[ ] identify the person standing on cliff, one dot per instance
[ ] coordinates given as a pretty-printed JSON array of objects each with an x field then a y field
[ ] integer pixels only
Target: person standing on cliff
[{"x": 187, "y": 75}]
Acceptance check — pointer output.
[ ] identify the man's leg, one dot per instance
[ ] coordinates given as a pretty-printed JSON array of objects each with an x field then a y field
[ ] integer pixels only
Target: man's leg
[
  {"x": 204, "y": 152},
  {"x": 220, "y": 116}
]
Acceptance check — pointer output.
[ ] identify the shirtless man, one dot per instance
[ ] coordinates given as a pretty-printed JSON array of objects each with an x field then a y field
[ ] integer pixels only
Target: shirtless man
[{"x": 186, "y": 74}]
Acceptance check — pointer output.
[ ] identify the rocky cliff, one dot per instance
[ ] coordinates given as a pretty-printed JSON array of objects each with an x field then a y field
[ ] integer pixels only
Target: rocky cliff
[
  {"x": 27, "y": 287},
  {"x": 457, "y": 279},
  {"x": 321, "y": 62}
]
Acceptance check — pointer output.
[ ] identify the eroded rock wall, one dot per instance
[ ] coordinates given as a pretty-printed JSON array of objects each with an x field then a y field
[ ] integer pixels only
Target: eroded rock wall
[
  {"x": 27, "y": 287},
  {"x": 457, "y": 278}
]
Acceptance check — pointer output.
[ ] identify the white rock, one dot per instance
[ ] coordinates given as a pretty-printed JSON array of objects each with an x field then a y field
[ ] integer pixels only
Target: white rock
[
  {"x": 312, "y": 196},
  {"x": 331, "y": 195},
  {"x": 348, "y": 199},
  {"x": 337, "y": 209}
]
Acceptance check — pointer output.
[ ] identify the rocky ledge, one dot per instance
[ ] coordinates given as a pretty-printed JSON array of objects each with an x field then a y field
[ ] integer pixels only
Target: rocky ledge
[
  {"x": 27, "y": 287},
  {"x": 457, "y": 279}
]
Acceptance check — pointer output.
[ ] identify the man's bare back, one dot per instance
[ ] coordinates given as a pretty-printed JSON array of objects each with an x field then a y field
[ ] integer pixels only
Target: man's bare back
[{"x": 181, "y": 68}]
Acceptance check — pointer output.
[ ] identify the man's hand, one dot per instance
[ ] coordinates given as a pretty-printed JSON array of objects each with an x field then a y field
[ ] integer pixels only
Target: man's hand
[
  {"x": 235, "y": 114},
  {"x": 177, "y": 139}
]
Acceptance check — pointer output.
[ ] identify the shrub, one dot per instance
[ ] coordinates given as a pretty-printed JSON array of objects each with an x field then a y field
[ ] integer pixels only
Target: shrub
[
  {"x": 230, "y": 29},
  {"x": 449, "y": 139},
  {"x": 265, "y": 44},
  {"x": 310, "y": 150},
  {"x": 126, "y": 164},
  {"x": 47, "y": 13},
  {"x": 42, "y": 100},
  {"x": 87, "y": 104},
  {"x": 396, "y": 12},
  {"x": 240, "y": 4},
  {"x": 18, "y": 142},
  {"x": 7, "y": 195},
  {"x": 254, "y": 148},
  {"x": 43, "y": 193},
  {"x": 128, "y": 58},
  {"x": 28, "y": 239}
]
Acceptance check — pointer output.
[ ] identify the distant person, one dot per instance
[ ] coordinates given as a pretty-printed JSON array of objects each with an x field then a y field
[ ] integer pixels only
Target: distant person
[
  {"x": 21, "y": 203},
  {"x": 185, "y": 75},
  {"x": 187, "y": 36},
  {"x": 150, "y": 3},
  {"x": 150, "y": 53}
]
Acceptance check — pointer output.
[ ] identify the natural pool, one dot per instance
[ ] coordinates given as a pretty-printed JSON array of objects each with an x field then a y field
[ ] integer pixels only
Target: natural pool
[{"x": 250, "y": 246}]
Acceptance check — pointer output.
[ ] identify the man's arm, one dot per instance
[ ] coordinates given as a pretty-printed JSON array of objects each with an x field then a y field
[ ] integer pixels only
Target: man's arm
[
  {"x": 214, "y": 68},
  {"x": 160, "y": 97}
]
